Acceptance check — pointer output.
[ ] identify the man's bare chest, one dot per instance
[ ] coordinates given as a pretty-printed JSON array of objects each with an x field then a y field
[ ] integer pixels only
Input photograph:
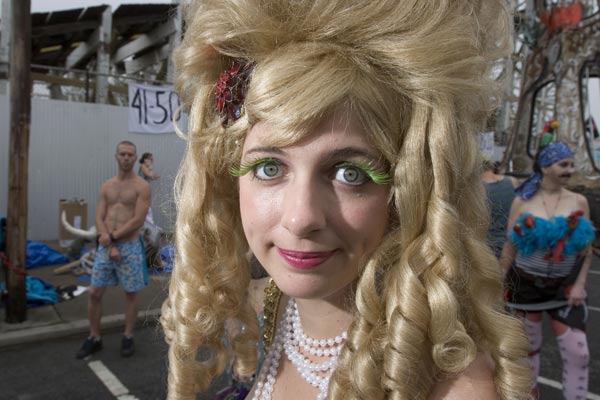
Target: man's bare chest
[{"x": 121, "y": 194}]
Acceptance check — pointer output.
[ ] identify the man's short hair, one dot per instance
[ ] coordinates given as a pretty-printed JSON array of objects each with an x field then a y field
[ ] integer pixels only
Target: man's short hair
[{"x": 128, "y": 143}]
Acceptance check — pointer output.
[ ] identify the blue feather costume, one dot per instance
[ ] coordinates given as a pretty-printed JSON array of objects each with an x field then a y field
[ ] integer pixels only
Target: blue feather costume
[
  {"x": 546, "y": 233},
  {"x": 552, "y": 243}
]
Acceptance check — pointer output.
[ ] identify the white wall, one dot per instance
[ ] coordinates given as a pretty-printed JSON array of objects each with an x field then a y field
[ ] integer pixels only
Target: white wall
[{"x": 71, "y": 153}]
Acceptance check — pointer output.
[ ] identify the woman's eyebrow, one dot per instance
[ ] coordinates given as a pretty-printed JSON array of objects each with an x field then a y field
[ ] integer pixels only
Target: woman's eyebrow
[
  {"x": 340, "y": 153},
  {"x": 265, "y": 149},
  {"x": 353, "y": 152}
]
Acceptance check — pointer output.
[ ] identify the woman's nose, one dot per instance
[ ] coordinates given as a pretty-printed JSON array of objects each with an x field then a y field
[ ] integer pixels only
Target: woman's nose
[{"x": 303, "y": 207}]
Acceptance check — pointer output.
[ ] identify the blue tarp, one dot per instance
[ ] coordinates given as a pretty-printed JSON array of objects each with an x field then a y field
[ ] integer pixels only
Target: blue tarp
[
  {"x": 167, "y": 255},
  {"x": 41, "y": 254},
  {"x": 38, "y": 292}
]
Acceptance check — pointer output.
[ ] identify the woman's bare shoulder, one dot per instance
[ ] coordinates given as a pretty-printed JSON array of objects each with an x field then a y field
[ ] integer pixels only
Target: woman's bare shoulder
[
  {"x": 475, "y": 382},
  {"x": 256, "y": 293},
  {"x": 582, "y": 201}
]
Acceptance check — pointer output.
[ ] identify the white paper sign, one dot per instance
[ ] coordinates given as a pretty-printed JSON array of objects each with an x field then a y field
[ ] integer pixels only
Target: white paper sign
[{"x": 151, "y": 109}]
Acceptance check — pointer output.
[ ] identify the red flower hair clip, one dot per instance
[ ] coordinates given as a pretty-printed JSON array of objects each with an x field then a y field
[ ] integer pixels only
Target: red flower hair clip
[{"x": 230, "y": 91}]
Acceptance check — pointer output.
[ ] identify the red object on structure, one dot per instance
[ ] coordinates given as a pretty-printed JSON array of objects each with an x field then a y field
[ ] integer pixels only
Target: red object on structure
[
  {"x": 4, "y": 261},
  {"x": 559, "y": 17}
]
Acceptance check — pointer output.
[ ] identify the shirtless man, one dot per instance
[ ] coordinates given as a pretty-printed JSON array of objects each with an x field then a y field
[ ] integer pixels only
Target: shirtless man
[{"x": 122, "y": 206}]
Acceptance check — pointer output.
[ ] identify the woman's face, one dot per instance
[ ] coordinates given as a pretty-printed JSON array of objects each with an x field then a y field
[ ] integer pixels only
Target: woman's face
[
  {"x": 310, "y": 212},
  {"x": 560, "y": 172}
]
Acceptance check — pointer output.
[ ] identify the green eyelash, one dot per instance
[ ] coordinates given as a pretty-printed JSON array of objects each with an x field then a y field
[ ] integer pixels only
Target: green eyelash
[
  {"x": 244, "y": 168},
  {"x": 377, "y": 176}
]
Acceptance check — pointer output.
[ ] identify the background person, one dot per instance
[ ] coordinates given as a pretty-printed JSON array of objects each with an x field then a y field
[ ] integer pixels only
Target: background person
[
  {"x": 547, "y": 259},
  {"x": 500, "y": 194},
  {"x": 336, "y": 142},
  {"x": 122, "y": 206},
  {"x": 146, "y": 172}
]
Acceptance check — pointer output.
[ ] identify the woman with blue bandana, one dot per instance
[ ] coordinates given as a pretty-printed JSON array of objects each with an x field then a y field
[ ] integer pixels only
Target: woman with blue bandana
[{"x": 546, "y": 259}]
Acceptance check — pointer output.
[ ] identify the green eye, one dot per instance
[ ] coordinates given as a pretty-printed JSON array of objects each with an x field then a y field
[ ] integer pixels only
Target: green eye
[
  {"x": 351, "y": 175},
  {"x": 267, "y": 170},
  {"x": 264, "y": 168},
  {"x": 357, "y": 174}
]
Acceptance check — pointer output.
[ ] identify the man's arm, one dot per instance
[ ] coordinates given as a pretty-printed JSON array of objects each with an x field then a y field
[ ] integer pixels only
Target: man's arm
[
  {"x": 148, "y": 172},
  {"x": 101, "y": 210},
  {"x": 139, "y": 215}
]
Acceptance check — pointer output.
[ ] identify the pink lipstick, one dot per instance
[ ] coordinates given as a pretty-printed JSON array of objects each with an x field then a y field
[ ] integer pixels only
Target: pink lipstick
[{"x": 305, "y": 259}]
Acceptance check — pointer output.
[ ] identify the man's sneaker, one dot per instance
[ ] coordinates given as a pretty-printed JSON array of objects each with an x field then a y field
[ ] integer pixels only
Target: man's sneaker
[
  {"x": 89, "y": 346},
  {"x": 127, "y": 347}
]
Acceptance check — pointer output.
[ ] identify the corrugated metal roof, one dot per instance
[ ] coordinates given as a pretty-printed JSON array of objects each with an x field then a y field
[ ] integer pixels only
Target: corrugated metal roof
[
  {"x": 67, "y": 16},
  {"x": 127, "y": 10},
  {"x": 131, "y": 20},
  {"x": 55, "y": 34}
]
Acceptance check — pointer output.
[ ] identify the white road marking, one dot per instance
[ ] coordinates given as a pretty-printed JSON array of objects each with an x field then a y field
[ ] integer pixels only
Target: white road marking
[
  {"x": 592, "y": 308},
  {"x": 558, "y": 385},
  {"x": 594, "y": 272},
  {"x": 112, "y": 383}
]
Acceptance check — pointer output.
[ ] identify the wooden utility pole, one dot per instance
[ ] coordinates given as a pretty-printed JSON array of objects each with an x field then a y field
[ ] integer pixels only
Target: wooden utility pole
[{"x": 20, "y": 117}]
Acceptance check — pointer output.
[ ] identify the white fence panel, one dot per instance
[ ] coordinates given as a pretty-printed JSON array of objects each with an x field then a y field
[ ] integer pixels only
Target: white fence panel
[{"x": 71, "y": 153}]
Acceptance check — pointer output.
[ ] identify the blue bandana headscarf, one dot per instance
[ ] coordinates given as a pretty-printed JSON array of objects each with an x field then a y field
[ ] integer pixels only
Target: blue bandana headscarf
[{"x": 550, "y": 154}]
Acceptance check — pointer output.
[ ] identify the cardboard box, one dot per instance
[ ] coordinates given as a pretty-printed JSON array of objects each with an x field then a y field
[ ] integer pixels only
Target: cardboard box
[{"x": 76, "y": 211}]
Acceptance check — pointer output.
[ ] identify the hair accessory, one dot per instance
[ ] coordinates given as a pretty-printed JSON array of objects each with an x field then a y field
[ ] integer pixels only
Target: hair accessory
[
  {"x": 550, "y": 126},
  {"x": 548, "y": 132},
  {"x": 230, "y": 91},
  {"x": 554, "y": 152},
  {"x": 549, "y": 155}
]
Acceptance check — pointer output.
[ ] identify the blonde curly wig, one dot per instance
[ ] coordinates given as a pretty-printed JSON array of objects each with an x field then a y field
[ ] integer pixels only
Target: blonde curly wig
[{"x": 417, "y": 74}]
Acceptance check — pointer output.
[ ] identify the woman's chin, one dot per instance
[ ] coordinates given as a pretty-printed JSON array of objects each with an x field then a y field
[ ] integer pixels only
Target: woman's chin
[{"x": 310, "y": 289}]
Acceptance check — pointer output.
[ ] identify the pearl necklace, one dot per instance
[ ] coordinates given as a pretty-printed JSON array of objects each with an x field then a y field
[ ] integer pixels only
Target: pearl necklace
[{"x": 290, "y": 338}]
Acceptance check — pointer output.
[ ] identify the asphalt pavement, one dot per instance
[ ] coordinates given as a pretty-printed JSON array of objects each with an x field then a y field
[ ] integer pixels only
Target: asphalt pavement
[{"x": 68, "y": 319}]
